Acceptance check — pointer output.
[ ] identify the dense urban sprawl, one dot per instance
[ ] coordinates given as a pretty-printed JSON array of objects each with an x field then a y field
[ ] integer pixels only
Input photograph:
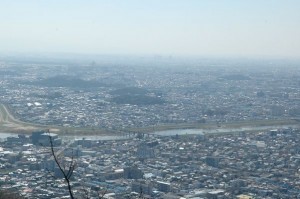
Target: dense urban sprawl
[
  {"x": 118, "y": 96},
  {"x": 242, "y": 165}
]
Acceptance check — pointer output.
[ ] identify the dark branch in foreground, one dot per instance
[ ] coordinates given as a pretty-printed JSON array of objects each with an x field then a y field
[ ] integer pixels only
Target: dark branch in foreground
[{"x": 66, "y": 174}]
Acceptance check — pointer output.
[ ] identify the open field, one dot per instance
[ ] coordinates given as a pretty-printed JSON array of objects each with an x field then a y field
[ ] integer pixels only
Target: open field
[{"x": 9, "y": 124}]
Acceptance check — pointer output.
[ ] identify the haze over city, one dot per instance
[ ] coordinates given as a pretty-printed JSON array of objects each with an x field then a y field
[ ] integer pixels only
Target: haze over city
[{"x": 171, "y": 27}]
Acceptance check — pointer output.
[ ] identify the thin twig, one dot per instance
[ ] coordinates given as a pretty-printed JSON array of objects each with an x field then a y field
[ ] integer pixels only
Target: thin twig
[{"x": 66, "y": 177}]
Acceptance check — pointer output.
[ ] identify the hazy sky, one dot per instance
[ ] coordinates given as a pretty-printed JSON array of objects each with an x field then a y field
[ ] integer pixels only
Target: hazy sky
[{"x": 244, "y": 28}]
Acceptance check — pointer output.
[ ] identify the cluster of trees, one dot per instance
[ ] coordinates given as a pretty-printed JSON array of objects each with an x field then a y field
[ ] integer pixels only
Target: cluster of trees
[
  {"x": 136, "y": 96},
  {"x": 4, "y": 194},
  {"x": 67, "y": 81}
]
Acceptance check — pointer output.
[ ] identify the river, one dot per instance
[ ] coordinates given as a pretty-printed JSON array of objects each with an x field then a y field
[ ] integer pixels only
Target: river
[{"x": 170, "y": 132}]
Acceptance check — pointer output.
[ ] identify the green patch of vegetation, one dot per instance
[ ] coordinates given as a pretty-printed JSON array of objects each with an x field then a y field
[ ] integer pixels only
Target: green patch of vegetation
[
  {"x": 137, "y": 100},
  {"x": 6, "y": 194},
  {"x": 67, "y": 81},
  {"x": 130, "y": 91}
]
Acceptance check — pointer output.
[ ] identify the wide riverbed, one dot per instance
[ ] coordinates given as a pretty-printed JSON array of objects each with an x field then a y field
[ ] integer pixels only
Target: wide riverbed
[{"x": 171, "y": 132}]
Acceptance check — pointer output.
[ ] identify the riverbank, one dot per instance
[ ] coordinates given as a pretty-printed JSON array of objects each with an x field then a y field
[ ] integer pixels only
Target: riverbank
[
  {"x": 9, "y": 124},
  {"x": 212, "y": 126}
]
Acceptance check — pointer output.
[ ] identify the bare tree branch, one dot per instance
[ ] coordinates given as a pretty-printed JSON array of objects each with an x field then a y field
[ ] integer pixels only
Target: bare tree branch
[
  {"x": 67, "y": 167},
  {"x": 63, "y": 171}
]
